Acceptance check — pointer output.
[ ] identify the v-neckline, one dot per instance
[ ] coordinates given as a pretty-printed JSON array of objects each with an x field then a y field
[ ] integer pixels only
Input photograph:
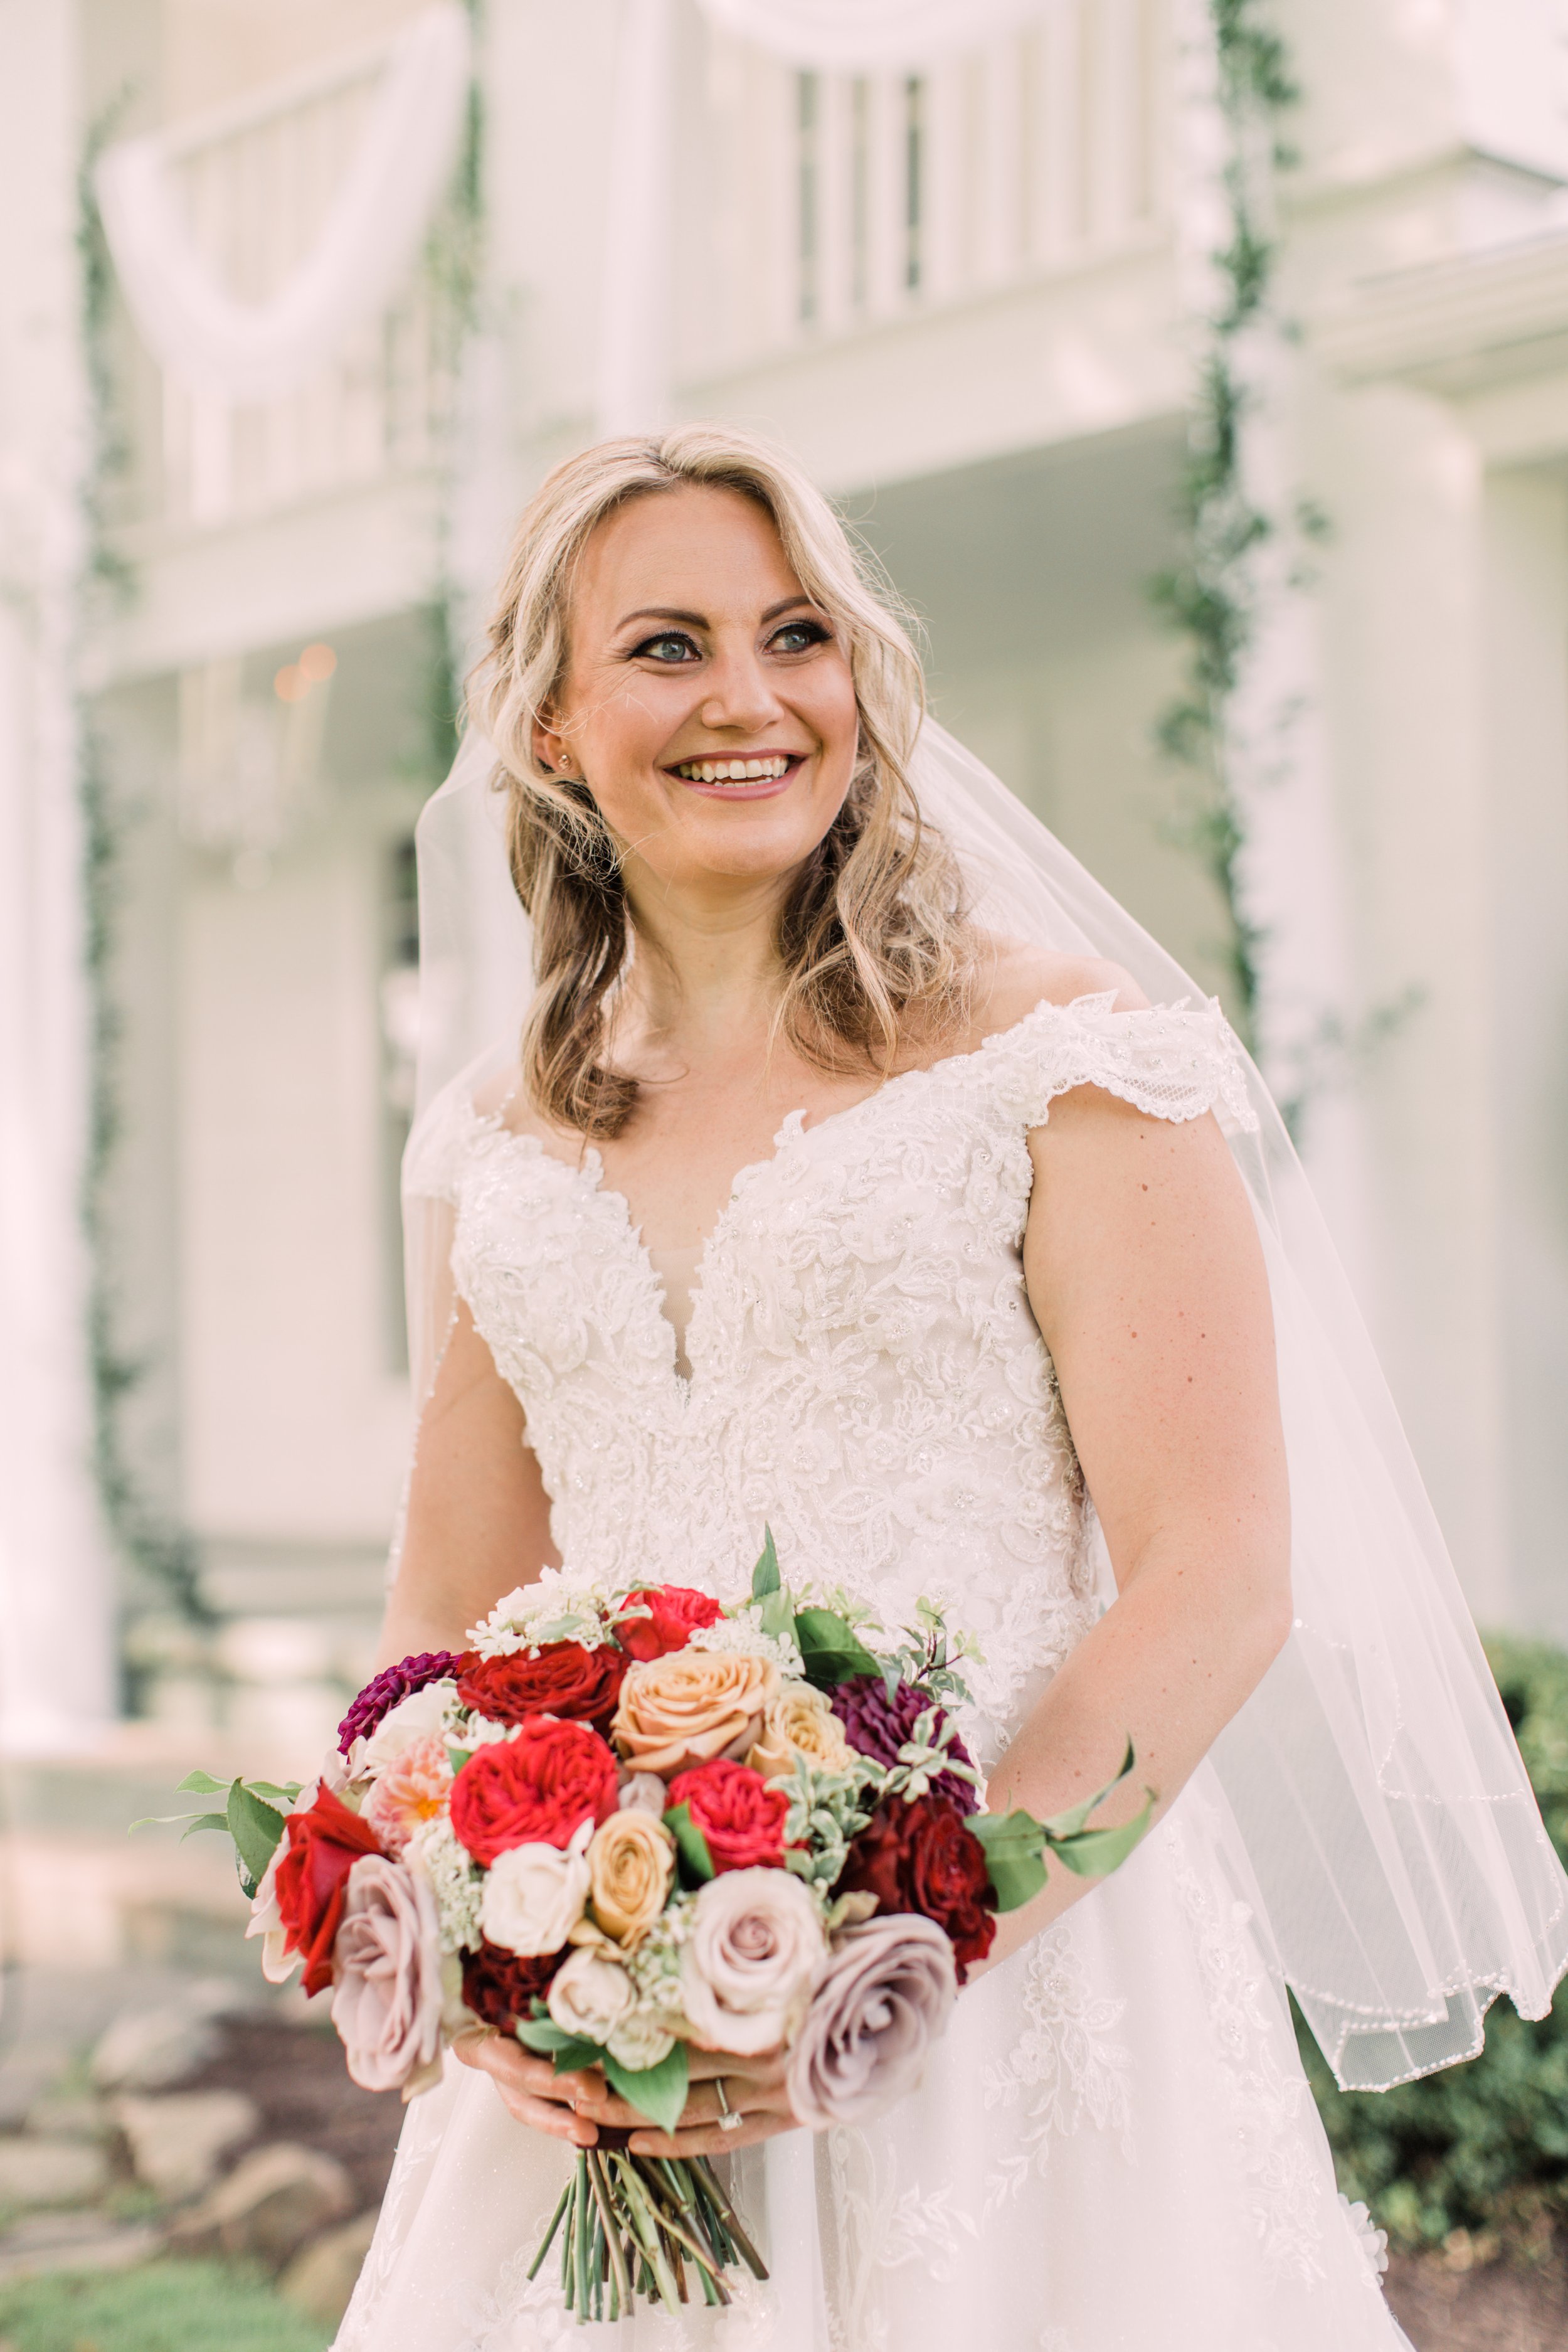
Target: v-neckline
[{"x": 589, "y": 1171}]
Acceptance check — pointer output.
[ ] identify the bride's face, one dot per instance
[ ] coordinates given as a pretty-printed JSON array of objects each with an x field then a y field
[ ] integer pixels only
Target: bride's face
[{"x": 707, "y": 702}]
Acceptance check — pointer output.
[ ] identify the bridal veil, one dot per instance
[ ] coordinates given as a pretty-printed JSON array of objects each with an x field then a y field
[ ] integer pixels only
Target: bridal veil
[{"x": 1384, "y": 1821}]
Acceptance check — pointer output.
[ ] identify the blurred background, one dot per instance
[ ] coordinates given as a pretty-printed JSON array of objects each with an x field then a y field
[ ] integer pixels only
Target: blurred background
[{"x": 1198, "y": 370}]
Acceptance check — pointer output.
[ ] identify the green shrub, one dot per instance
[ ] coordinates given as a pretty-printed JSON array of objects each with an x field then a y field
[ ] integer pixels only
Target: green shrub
[
  {"x": 166, "y": 2306},
  {"x": 1483, "y": 2145}
]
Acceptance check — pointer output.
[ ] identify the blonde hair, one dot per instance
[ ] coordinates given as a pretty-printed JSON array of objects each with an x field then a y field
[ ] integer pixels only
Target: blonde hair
[{"x": 873, "y": 935}]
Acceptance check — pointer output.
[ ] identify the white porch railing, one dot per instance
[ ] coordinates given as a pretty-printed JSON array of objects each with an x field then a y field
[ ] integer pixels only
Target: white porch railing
[
  {"x": 805, "y": 207},
  {"x": 837, "y": 202},
  {"x": 257, "y": 183}
]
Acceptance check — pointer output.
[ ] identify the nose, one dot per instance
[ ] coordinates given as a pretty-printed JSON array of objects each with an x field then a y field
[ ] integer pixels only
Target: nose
[{"x": 740, "y": 696}]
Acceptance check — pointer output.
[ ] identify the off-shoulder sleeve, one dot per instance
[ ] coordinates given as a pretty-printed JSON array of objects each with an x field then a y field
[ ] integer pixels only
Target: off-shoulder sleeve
[{"x": 1171, "y": 1061}]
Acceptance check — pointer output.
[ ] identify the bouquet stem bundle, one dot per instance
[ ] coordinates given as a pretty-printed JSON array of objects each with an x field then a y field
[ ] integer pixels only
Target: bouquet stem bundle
[{"x": 630, "y": 2225}]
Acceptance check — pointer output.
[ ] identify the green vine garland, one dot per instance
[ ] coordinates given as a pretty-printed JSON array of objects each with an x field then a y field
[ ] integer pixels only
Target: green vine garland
[{"x": 1210, "y": 597}]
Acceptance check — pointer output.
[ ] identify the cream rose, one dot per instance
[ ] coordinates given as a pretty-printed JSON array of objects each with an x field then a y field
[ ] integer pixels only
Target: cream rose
[
  {"x": 641, "y": 2039},
  {"x": 631, "y": 1862},
  {"x": 535, "y": 1894},
  {"x": 589, "y": 1995},
  {"x": 800, "y": 1721},
  {"x": 755, "y": 1951},
  {"x": 690, "y": 1705}
]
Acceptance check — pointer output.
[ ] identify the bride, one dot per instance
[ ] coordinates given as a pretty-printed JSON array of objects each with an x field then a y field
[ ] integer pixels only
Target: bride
[{"x": 832, "y": 1176}]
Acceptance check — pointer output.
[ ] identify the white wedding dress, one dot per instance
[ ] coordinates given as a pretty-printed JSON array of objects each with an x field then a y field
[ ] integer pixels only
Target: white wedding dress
[{"x": 1115, "y": 2148}]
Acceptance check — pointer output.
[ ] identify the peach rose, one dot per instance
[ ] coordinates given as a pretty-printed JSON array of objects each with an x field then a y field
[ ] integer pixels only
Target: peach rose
[
  {"x": 800, "y": 1721},
  {"x": 632, "y": 1861},
  {"x": 414, "y": 1787},
  {"x": 690, "y": 1705}
]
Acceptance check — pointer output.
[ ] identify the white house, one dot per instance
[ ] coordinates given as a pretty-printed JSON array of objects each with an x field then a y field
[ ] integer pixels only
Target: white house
[{"x": 965, "y": 289}]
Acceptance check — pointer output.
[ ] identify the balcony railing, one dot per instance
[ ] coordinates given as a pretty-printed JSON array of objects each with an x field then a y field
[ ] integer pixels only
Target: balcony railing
[{"x": 257, "y": 185}]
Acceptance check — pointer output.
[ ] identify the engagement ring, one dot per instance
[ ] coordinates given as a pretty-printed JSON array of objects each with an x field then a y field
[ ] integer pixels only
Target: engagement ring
[{"x": 727, "y": 2120}]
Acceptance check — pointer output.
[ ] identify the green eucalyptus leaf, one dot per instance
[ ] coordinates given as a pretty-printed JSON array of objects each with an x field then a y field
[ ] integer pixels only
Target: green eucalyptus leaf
[
  {"x": 254, "y": 1826},
  {"x": 697, "y": 1862},
  {"x": 1069, "y": 1824},
  {"x": 1016, "y": 1877},
  {"x": 765, "y": 1576},
  {"x": 657, "y": 2091},
  {"x": 831, "y": 1649},
  {"x": 1093, "y": 1853}
]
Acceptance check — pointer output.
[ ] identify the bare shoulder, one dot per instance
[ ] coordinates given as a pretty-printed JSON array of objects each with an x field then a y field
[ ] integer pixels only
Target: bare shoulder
[{"x": 1014, "y": 978}]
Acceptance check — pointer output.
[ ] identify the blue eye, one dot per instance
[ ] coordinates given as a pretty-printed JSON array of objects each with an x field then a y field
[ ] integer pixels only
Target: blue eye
[
  {"x": 798, "y": 637},
  {"x": 670, "y": 648}
]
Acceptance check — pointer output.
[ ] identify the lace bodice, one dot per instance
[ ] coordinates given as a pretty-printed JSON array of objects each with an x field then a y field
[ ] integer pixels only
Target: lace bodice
[{"x": 866, "y": 1375}]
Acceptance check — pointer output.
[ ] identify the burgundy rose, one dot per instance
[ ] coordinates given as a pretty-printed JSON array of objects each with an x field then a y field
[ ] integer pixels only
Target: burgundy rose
[
  {"x": 562, "y": 1679},
  {"x": 739, "y": 1813},
  {"x": 879, "y": 1726},
  {"x": 500, "y": 1987},
  {"x": 675, "y": 1614},
  {"x": 536, "y": 1790},
  {"x": 394, "y": 1683},
  {"x": 311, "y": 1880},
  {"x": 923, "y": 1856}
]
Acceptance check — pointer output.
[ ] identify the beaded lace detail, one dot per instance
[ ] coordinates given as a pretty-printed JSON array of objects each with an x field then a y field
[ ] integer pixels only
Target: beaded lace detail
[{"x": 866, "y": 1373}]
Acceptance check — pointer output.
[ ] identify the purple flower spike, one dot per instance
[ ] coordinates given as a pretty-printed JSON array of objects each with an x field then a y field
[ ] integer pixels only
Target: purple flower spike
[
  {"x": 879, "y": 1726},
  {"x": 384, "y": 1690}
]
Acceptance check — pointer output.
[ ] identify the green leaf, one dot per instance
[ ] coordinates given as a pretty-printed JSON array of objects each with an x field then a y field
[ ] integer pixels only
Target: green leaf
[
  {"x": 200, "y": 1784},
  {"x": 256, "y": 1827},
  {"x": 765, "y": 1576},
  {"x": 194, "y": 1822},
  {"x": 831, "y": 1650},
  {"x": 167, "y": 1821},
  {"x": 1016, "y": 1878},
  {"x": 697, "y": 1862},
  {"x": 776, "y": 1615},
  {"x": 657, "y": 2091},
  {"x": 1093, "y": 1853},
  {"x": 549, "y": 2039},
  {"x": 274, "y": 1794},
  {"x": 1069, "y": 1824},
  {"x": 458, "y": 1758}
]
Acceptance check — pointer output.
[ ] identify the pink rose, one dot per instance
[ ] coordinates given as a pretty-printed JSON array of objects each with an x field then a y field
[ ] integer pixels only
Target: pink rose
[{"x": 387, "y": 1967}]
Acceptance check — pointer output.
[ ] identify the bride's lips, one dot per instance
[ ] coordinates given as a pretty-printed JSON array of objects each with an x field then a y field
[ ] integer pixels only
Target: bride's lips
[{"x": 739, "y": 788}]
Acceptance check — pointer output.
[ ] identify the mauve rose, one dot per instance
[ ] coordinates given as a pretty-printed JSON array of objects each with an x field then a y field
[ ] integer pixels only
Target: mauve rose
[
  {"x": 674, "y": 1612},
  {"x": 643, "y": 1792},
  {"x": 921, "y": 1855},
  {"x": 879, "y": 1726},
  {"x": 500, "y": 1987},
  {"x": 748, "y": 1966},
  {"x": 536, "y": 1790},
  {"x": 387, "y": 1963},
  {"x": 739, "y": 1813},
  {"x": 561, "y": 1679},
  {"x": 886, "y": 1994},
  {"x": 308, "y": 1884}
]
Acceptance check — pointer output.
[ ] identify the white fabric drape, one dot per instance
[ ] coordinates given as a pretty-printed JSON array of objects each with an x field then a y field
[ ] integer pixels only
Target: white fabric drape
[
  {"x": 237, "y": 351},
  {"x": 868, "y": 35}
]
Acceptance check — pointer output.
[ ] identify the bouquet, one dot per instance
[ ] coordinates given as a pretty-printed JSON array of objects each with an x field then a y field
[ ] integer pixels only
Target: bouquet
[{"x": 621, "y": 1823}]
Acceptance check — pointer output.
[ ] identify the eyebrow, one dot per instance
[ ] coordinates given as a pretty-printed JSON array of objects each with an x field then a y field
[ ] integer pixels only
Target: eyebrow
[{"x": 699, "y": 620}]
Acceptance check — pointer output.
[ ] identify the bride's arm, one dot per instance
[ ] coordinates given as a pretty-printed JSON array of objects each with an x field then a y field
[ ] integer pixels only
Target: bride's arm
[
  {"x": 1146, "y": 1277},
  {"x": 478, "y": 1519}
]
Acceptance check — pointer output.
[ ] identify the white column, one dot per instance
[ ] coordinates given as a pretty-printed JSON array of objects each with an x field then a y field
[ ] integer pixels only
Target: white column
[
  {"x": 57, "y": 1648},
  {"x": 634, "y": 342}
]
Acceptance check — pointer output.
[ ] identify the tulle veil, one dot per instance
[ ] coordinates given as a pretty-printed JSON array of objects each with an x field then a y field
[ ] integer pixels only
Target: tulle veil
[{"x": 1391, "y": 1838}]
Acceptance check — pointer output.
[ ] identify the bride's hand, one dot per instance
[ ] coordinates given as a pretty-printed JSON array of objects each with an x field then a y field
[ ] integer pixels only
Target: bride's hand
[
  {"x": 531, "y": 2088},
  {"x": 752, "y": 2089}
]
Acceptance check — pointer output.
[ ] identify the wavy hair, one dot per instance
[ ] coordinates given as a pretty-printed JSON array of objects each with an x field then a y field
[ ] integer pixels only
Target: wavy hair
[{"x": 871, "y": 936}]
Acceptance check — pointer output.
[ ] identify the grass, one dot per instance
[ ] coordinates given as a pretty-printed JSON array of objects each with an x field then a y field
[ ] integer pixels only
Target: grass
[{"x": 166, "y": 2306}]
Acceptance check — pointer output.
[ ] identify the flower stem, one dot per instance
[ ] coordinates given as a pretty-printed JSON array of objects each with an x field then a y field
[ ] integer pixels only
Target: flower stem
[
  {"x": 749, "y": 2253},
  {"x": 623, "y": 2283},
  {"x": 549, "y": 2237}
]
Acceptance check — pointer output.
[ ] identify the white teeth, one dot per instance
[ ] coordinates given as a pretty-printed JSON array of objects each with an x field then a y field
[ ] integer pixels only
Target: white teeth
[{"x": 731, "y": 771}]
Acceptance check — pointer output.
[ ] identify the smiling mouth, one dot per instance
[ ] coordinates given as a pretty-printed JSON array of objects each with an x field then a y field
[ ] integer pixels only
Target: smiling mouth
[{"x": 739, "y": 775}]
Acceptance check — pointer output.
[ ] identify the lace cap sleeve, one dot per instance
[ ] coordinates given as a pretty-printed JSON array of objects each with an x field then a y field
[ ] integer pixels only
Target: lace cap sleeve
[
  {"x": 441, "y": 1140},
  {"x": 1171, "y": 1061}
]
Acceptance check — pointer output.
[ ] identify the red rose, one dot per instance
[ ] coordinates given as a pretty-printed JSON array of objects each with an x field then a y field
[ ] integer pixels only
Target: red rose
[
  {"x": 500, "y": 1987},
  {"x": 739, "y": 1813},
  {"x": 675, "y": 1614},
  {"x": 536, "y": 1790},
  {"x": 563, "y": 1679},
  {"x": 312, "y": 1877},
  {"x": 923, "y": 1856}
]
